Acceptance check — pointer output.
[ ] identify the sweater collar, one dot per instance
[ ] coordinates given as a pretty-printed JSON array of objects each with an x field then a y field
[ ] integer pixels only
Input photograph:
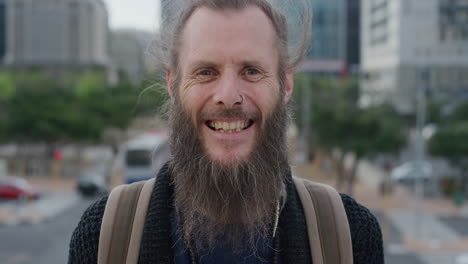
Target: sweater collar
[{"x": 157, "y": 245}]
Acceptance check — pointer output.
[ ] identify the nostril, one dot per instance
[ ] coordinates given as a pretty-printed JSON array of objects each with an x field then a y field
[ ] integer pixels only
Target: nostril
[{"x": 241, "y": 99}]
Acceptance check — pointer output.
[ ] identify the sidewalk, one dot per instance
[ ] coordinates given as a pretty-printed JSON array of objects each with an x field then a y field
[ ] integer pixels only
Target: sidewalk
[
  {"x": 57, "y": 196},
  {"x": 422, "y": 230}
]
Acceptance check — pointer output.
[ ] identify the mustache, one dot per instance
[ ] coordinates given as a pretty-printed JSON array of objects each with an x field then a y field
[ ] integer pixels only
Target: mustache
[{"x": 229, "y": 113}]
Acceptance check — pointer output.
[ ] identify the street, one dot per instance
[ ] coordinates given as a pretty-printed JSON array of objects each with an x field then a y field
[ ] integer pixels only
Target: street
[
  {"x": 39, "y": 232},
  {"x": 41, "y": 243},
  {"x": 47, "y": 242},
  {"x": 433, "y": 233},
  {"x": 395, "y": 252}
]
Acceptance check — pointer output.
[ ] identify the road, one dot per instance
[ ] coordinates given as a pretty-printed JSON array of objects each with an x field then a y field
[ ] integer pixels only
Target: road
[
  {"x": 47, "y": 242},
  {"x": 41, "y": 243},
  {"x": 395, "y": 252}
]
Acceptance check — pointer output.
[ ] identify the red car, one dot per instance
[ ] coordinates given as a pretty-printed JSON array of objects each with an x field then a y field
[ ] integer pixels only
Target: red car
[{"x": 13, "y": 188}]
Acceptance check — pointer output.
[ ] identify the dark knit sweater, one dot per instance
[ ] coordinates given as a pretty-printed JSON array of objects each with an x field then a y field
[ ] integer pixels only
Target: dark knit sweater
[{"x": 157, "y": 246}]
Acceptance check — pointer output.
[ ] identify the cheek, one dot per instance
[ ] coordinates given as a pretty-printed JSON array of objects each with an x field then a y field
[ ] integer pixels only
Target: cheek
[
  {"x": 265, "y": 96},
  {"x": 193, "y": 100}
]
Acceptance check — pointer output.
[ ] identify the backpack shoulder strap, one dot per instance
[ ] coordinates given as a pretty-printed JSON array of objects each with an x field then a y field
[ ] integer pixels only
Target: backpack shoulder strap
[
  {"x": 327, "y": 223},
  {"x": 139, "y": 222},
  {"x": 122, "y": 212}
]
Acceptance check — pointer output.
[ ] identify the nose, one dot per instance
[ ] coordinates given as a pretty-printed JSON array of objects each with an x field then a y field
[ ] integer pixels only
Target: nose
[{"x": 227, "y": 91}]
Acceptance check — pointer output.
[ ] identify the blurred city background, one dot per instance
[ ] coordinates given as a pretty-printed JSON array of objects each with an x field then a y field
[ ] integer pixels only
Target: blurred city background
[{"x": 380, "y": 104}]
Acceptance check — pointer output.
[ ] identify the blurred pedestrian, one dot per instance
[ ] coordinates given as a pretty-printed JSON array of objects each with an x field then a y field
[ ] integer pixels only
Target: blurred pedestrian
[{"x": 228, "y": 195}]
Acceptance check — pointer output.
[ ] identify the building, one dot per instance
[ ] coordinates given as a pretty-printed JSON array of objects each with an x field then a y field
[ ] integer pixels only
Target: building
[
  {"x": 59, "y": 34},
  {"x": 353, "y": 36},
  {"x": 328, "y": 30},
  {"x": 334, "y": 46},
  {"x": 129, "y": 53},
  {"x": 2, "y": 30},
  {"x": 411, "y": 44}
]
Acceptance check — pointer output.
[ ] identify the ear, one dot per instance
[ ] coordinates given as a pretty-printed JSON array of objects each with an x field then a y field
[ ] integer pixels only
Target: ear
[
  {"x": 289, "y": 85},
  {"x": 169, "y": 82}
]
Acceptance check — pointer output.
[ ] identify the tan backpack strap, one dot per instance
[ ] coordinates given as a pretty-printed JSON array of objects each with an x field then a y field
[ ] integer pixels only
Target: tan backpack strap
[
  {"x": 331, "y": 221},
  {"x": 139, "y": 222},
  {"x": 311, "y": 221},
  {"x": 117, "y": 223}
]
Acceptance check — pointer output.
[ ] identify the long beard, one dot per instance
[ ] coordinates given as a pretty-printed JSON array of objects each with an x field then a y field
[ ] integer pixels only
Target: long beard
[{"x": 228, "y": 203}]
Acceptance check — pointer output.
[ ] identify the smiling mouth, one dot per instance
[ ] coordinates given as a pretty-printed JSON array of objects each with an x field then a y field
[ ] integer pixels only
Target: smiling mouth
[{"x": 229, "y": 126}]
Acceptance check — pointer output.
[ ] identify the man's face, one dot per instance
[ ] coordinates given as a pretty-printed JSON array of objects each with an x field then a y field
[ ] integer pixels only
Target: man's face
[{"x": 226, "y": 55}]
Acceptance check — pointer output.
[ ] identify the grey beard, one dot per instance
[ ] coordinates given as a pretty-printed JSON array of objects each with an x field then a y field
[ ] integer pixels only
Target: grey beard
[{"x": 235, "y": 202}]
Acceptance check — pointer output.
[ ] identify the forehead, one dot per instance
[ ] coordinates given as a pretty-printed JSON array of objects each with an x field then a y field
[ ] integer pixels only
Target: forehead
[{"x": 234, "y": 35}]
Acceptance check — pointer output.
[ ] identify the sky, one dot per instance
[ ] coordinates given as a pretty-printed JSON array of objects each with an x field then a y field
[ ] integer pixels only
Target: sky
[{"x": 138, "y": 14}]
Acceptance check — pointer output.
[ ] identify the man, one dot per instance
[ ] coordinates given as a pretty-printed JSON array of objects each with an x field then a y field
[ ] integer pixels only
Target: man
[{"x": 227, "y": 195}]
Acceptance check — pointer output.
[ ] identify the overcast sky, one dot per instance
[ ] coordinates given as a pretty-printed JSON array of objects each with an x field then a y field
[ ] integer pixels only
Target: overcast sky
[{"x": 139, "y": 14}]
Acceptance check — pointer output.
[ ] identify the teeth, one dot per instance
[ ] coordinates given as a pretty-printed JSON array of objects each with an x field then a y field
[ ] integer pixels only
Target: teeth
[{"x": 229, "y": 127}]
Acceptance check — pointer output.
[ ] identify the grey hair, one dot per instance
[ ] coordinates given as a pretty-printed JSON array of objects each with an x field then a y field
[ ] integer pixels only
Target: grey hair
[{"x": 291, "y": 20}]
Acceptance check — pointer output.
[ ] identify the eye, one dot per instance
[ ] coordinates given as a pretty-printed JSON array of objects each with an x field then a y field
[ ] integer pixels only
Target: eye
[
  {"x": 252, "y": 74},
  {"x": 205, "y": 75}
]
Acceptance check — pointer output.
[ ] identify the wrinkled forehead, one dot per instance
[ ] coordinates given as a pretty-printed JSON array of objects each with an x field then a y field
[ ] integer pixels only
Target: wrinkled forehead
[{"x": 246, "y": 31}]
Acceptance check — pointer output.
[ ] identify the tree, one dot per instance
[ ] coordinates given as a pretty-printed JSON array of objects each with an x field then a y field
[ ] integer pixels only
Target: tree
[
  {"x": 338, "y": 122},
  {"x": 7, "y": 87},
  {"x": 460, "y": 113},
  {"x": 7, "y": 91},
  {"x": 450, "y": 141},
  {"x": 90, "y": 84},
  {"x": 40, "y": 109},
  {"x": 375, "y": 130}
]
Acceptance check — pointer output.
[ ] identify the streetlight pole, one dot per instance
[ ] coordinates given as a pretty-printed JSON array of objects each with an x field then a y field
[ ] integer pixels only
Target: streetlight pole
[{"x": 420, "y": 147}]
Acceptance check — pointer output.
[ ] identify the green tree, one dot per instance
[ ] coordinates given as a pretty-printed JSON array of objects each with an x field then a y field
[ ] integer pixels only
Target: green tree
[
  {"x": 450, "y": 142},
  {"x": 338, "y": 122},
  {"x": 433, "y": 111},
  {"x": 375, "y": 130},
  {"x": 90, "y": 84},
  {"x": 7, "y": 92},
  {"x": 7, "y": 87},
  {"x": 34, "y": 82},
  {"x": 42, "y": 110},
  {"x": 460, "y": 113}
]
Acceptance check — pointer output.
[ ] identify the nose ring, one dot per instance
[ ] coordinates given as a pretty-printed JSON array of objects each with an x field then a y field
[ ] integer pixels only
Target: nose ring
[{"x": 242, "y": 99}]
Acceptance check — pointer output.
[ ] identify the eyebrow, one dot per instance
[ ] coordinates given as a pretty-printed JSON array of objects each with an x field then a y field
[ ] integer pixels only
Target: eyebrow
[
  {"x": 201, "y": 64},
  {"x": 208, "y": 64},
  {"x": 253, "y": 63}
]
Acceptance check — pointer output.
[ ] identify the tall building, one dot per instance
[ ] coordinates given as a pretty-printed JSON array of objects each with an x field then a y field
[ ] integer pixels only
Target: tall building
[
  {"x": 57, "y": 33},
  {"x": 328, "y": 30},
  {"x": 2, "y": 30},
  {"x": 353, "y": 36},
  {"x": 335, "y": 37},
  {"x": 129, "y": 53},
  {"x": 409, "y": 44}
]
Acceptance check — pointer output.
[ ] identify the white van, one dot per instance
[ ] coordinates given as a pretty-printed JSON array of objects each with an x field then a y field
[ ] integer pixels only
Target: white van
[{"x": 144, "y": 155}]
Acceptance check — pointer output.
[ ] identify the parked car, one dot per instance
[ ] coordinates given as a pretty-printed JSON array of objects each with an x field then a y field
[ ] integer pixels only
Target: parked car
[
  {"x": 15, "y": 188},
  {"x": 411, "y": 171}
]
